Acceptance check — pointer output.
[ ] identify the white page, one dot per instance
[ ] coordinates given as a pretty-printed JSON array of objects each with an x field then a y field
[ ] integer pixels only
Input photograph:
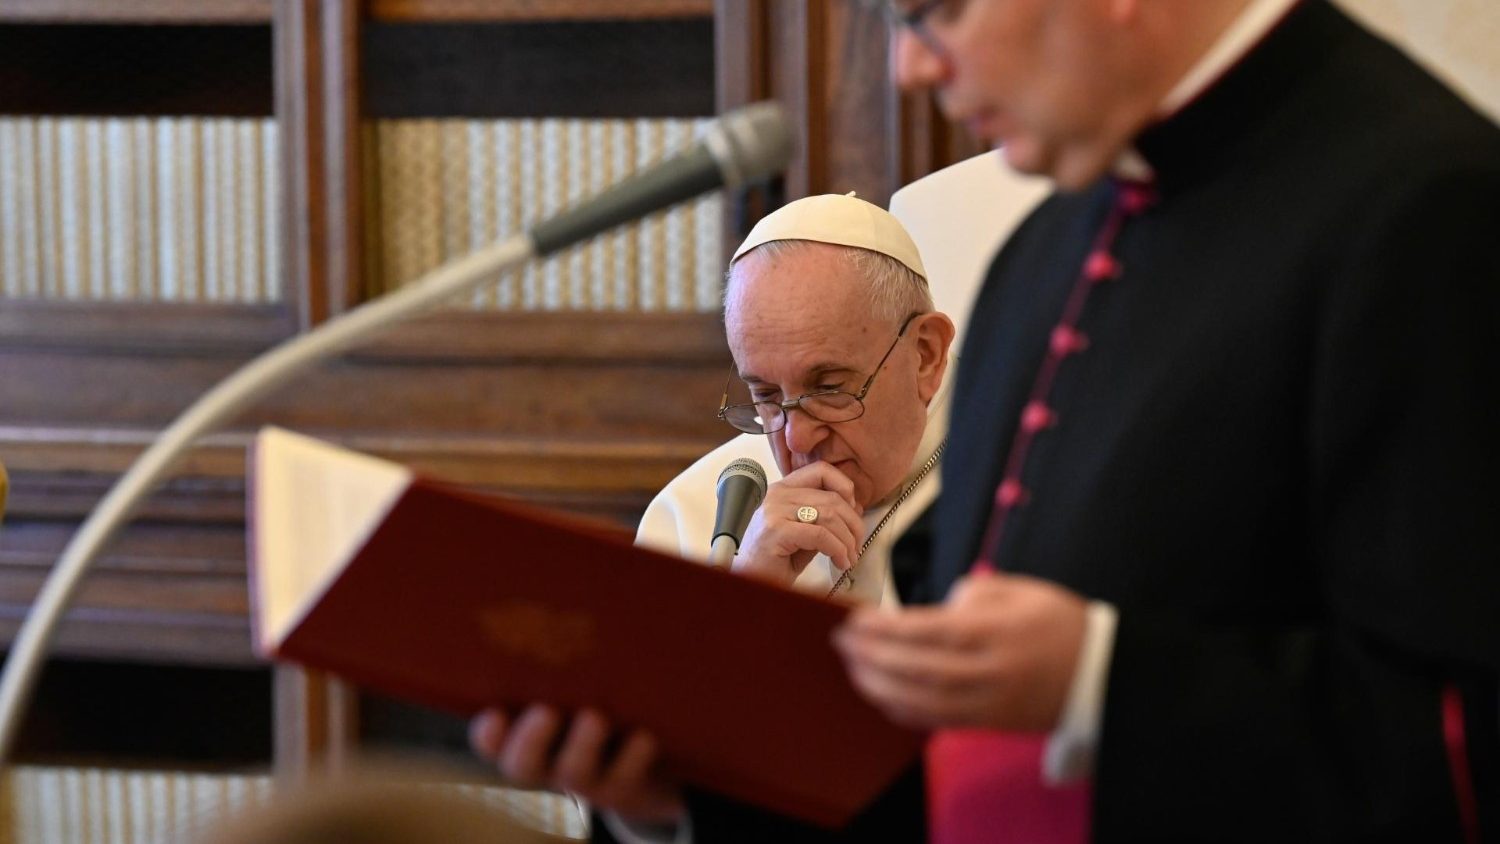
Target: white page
[{"x": 315, "y": 504}]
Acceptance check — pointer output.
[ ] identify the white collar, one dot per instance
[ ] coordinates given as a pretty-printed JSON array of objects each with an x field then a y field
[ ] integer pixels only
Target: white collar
[
  {"x": 1234, "y": 43},
  {"x": 1242, "y": 34}
]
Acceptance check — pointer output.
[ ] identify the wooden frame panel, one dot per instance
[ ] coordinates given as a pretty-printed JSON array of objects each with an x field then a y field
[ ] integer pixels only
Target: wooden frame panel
[
  {"x": 536, "y": 10},
  {"x": 825, "y": 62},
  {"x": 136, "y": 11},
  {"x": 260, "y": 11}
]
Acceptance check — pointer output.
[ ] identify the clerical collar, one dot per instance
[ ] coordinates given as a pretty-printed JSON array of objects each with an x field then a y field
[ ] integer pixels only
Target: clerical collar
[
  {"x": 1239, "y": 38},
  {"x": 1252, "y": 24}
]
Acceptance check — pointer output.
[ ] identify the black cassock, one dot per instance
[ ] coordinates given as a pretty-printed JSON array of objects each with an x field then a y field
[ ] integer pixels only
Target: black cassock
[{"x": 1277, "y": 457}]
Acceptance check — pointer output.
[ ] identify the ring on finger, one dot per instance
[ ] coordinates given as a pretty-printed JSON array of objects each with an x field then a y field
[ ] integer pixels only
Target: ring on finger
[{"x": 807, "y": 515}]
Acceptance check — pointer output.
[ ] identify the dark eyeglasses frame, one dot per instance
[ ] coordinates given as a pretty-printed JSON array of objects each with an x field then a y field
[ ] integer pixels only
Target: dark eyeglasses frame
[
  {"x": 796, "y": 403},
  {"x": 915, "y": 20}
]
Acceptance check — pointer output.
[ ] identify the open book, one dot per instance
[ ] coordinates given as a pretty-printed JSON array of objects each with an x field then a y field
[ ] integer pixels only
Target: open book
[{"x": 461, "y": 601}]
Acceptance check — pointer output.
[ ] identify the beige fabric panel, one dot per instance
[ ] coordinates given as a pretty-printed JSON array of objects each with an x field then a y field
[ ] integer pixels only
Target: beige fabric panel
[
  {"x": 1455, "y": 39},
  {"x": 103, "y": 806},
  {"x": 138, "y": 209},
  {"x": 184, "y": 210},
  {"x": 446, "y": 187},
  {"x": 71, "y": 805}
]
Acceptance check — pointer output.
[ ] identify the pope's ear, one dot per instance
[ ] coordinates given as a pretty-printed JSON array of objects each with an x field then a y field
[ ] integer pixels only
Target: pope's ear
[{"x": 933, "y": 336}]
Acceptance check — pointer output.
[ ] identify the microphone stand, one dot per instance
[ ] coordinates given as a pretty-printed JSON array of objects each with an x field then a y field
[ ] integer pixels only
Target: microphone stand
[{"x": 247, "y": 385}]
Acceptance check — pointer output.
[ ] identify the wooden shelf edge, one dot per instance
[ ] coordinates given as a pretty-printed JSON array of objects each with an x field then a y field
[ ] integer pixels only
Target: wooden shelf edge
[
  {"x": 61, "y": 474},
  {"x": 530, "y": 11},
  {"x": 452, "y": 336},
  {"x": 144, "y": 327},
  {"x": 136, "y": 11},
  {"x": 392, "y": 11},
  {"x": 223, "y": 454},
  {"x": 678, "y": 339}
]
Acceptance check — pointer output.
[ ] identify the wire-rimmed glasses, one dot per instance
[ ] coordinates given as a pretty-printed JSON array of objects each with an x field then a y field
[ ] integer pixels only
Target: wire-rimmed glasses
[{"x": 768, "y": 417}]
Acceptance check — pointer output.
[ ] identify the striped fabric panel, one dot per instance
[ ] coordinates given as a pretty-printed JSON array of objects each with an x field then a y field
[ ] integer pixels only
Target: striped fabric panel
[
  {"x": 184, "y": 210},
  {"x": 443, "y": 188},
  {"x": 66, "y": 805},
  {"x": 105, "y": 806},
  {"x": 138, "y": 209}
]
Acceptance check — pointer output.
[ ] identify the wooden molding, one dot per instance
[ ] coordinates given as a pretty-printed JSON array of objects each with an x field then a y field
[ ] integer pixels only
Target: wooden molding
[
  {"x": 741, "y": 76},
  {"x": 794, "y": 37},
  {"x": 577, "y": 337},
  {"x": 261, "y": 11},
  {"x": 476, "y": 336},
  {"x": 317, "y": 724},
  {"x": 159, "y": 592},
  {"x": 136, "y": 11},
  {"x": 114, "y": 327},
  {"x": 164, "y": 638},
  {"x": 316, "y": 122},
  {"x": 740, "y": 52},
  {"x": 519, "y": 11},
  {"x": 826, "y": 63},
  {"x": 411, "y": 11},
  {"x": 923, "y": 140},
  {"x": 342, "y": 81},
  {"x": 522, "y": 464}
]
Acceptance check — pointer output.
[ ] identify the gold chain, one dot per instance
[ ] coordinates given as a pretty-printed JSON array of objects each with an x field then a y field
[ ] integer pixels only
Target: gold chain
[{"x": 846, "y": 576}]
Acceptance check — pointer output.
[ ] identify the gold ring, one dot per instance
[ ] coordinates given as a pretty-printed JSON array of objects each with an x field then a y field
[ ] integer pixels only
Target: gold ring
[{"x": 807, "y": 515}]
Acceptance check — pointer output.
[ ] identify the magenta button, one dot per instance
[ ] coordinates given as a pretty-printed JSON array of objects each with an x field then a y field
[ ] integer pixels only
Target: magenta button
[
  {"x": 1037, "y": 416},
  {"x": 1101, "y": 266},
  {"x": 1067, "y": 340},
  {"x": 1010, "y": 493}
]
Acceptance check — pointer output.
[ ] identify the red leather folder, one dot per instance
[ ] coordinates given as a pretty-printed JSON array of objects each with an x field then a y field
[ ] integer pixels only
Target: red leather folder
[{"x": 462, "y": 601}]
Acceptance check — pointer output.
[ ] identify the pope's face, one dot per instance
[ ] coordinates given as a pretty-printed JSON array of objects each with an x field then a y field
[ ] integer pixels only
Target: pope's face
[
  {"x": 798, "y": 324},
  {"x": 1038, "y": 77}
]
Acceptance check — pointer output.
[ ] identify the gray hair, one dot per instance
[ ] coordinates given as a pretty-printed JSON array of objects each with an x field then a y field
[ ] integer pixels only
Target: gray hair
[{"x": 895, "y": 291}]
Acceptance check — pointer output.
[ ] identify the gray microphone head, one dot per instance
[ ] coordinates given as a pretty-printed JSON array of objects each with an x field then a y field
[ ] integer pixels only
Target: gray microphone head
[
  {"x": 750, "y": 143},
  {"x": 749, "y": 468},
  {"x": 741, "y": 488}
]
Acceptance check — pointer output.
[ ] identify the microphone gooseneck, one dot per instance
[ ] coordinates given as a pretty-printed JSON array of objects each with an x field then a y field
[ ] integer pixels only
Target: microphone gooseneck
[{"x": 741, "y": 147}]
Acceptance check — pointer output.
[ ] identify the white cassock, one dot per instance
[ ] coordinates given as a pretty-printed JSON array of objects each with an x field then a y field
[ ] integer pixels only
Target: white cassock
[{"x": 680, "y": 520}]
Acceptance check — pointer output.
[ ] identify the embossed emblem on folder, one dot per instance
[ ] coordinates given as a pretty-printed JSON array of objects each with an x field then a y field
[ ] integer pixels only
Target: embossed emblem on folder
[{"x": 538, "y": 631}]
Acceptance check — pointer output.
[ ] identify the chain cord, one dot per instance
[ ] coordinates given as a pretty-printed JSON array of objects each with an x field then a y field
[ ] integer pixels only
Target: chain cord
[{"x": 846, "y": 577}]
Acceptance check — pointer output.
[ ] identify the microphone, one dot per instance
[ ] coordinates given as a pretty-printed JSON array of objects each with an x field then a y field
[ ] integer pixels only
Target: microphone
[
  {"x": 742, "y": 486},
  {"x": 743, "y": 146}
]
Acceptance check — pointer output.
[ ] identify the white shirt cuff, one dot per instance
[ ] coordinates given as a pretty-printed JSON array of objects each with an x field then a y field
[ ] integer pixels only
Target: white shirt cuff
[{"x": 1069, "y": 755}]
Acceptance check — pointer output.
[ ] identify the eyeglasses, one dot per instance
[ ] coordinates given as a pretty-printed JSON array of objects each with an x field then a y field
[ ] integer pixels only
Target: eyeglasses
[
  {"x": 913, "y": 16},
  {"x": 768, "y": 417}
]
